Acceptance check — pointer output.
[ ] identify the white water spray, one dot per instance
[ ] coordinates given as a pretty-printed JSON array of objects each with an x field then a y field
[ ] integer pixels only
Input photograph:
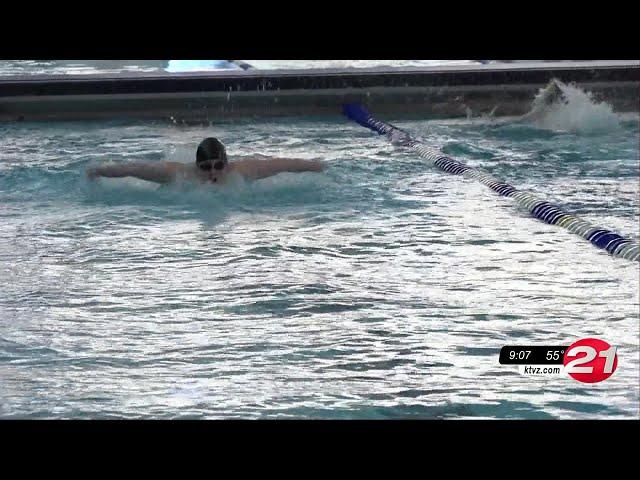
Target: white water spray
[{"x": 574, "y": 110}]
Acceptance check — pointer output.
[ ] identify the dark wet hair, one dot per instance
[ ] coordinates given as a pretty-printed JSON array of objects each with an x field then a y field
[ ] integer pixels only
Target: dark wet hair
[{"x": 211, "y": 153}]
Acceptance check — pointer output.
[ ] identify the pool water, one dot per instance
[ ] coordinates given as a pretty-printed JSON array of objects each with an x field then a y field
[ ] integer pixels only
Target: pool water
[{"x": 381, "y": 288}]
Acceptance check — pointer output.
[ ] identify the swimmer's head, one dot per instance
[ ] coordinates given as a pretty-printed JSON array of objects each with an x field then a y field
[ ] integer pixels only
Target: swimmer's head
[
  {"x": 211, "y": 155},
  {"x": 552, "y": 93}
]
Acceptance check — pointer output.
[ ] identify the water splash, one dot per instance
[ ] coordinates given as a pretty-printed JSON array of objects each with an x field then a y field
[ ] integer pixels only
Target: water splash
[{"x": 565, "y": 107}]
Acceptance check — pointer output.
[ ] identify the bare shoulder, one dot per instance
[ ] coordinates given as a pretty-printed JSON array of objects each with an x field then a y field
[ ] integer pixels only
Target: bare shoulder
[
  {"x": 174, "y": 166},
  {"x": 248, "y": 167},
  {"x": 164, "y": 172}
]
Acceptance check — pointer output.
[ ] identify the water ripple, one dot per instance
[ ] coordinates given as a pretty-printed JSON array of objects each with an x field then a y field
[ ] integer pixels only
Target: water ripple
[{"x": 381, "y": 289}]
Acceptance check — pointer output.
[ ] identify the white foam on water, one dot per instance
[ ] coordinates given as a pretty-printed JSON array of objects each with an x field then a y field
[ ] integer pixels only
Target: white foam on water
[
  {"x": 580, "y": 114},
  {"x": 181, "y": 153}
]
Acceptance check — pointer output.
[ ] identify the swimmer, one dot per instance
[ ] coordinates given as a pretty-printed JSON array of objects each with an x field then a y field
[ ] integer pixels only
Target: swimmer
[
  {"x": 212, "y": 166},
  {"x": 548, "y": 97}
]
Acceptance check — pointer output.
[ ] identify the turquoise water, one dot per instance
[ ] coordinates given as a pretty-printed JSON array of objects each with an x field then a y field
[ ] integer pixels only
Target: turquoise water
[{"x": 379, "y": 289}]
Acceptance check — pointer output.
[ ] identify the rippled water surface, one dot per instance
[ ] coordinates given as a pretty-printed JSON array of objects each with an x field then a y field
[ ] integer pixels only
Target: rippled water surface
[{"x": 379, "y": 289}]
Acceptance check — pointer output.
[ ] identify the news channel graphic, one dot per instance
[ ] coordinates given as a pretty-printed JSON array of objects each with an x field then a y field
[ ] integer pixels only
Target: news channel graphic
[{"x": 589, "y": 360}]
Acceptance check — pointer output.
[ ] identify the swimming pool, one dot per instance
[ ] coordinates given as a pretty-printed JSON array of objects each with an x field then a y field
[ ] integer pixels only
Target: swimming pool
[{"x": 380, "y": 289}]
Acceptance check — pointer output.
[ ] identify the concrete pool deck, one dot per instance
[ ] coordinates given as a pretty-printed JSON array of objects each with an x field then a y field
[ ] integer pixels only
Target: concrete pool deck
[{"x": 448, "y": 91}]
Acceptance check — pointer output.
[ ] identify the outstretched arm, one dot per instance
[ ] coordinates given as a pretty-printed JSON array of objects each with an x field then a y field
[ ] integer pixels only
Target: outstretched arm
[
  {"x": 256, "y": 169},
  {"x": 152, "y": 172}
]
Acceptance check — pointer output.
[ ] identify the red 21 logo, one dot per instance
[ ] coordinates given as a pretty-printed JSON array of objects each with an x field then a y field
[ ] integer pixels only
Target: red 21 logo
[{"x": 590, "y": 360}]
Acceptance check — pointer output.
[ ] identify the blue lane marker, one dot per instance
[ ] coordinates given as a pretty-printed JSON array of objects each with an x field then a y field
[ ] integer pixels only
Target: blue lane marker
[{"x": 603, "y": 238}]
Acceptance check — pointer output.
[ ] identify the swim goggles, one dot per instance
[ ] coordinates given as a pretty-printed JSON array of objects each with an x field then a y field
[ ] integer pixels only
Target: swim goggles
[{"x": 210, "y": 164}]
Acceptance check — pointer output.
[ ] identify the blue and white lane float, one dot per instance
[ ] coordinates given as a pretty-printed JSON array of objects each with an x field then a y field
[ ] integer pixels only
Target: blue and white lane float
[{"x": 604, "y": 238}]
